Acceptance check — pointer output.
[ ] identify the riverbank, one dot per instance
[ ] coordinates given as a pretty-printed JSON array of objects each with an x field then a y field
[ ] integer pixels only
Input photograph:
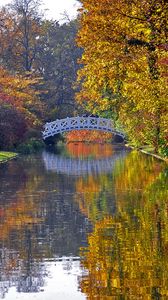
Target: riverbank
[
  {"x": 5, "y": 156},
  {"x": 148, "y": 151}
]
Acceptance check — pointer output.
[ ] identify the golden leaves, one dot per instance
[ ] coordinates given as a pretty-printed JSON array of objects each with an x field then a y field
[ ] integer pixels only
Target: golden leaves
[
  {"x": 18, "y": 91},
  {"x": 125, "y": 47}
]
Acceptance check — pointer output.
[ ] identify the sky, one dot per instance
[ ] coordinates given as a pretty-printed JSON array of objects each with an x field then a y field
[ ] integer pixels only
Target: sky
[{"x": 54, "y": 9}]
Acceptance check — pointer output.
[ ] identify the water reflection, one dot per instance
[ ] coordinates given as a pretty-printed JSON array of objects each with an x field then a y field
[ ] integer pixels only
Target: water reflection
[
  {"x": 127, "y": 253},
  {"x": 84, "y": 235},
  {"x": 79, "y": 166}
]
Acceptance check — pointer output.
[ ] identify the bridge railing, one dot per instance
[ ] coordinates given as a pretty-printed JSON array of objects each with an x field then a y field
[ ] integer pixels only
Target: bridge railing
[{"x": 77, "y": 123}]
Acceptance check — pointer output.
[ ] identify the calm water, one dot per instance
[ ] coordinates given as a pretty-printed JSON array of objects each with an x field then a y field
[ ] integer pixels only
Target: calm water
[{"x": 85, "y": 222}]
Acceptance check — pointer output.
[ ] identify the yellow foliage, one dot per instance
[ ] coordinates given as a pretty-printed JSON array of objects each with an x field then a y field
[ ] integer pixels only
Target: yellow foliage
[
  {"x": 125, "y": 67},
  {"x": 19, "y": 92}
]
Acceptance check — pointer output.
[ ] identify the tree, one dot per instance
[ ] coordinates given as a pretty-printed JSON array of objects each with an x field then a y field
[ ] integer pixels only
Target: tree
[
  {"x": 12, "y": 127},
  {"x": 24, "y": 31},
  {"x": 32, "y": 46},
  {"x": 20, "y": 108},
  {"x": 57, "y": 64},
  {"x": 124, "y": 64}
]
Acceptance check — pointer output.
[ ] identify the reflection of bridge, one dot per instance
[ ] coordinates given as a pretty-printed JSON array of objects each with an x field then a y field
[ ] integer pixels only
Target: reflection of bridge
[
  {"x": 77, "y": 166},
  {"x": 77, "y": 123}
]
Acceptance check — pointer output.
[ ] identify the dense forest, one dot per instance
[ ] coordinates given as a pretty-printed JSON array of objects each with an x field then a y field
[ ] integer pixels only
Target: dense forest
[
  {"x": 37, "y": 73},
  {"x": 111, "y": 61}
]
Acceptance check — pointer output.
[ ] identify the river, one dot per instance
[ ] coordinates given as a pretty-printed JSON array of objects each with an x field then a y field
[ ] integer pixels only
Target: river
[{"x": 84, "y": 222}]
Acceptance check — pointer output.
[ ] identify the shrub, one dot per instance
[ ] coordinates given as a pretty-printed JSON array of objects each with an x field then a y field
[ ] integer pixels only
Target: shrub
[{"x": 31, "y": 146}]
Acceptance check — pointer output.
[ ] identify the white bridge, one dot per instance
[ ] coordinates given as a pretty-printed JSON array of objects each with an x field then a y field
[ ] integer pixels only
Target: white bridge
[{"x": 78, "y": 123}]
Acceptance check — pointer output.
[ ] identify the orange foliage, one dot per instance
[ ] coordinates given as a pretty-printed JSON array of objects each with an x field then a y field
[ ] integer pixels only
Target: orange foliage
[
  {"x": 19, "y": 93},
  {"x": 89, "y": 136}
]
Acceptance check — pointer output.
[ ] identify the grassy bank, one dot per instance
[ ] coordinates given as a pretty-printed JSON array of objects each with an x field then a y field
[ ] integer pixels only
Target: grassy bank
[{"x": 5, "y": 156}]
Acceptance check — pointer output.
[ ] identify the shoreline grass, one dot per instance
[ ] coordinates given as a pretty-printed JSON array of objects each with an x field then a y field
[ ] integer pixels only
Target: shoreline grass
[{"x": 5, "y": 156}]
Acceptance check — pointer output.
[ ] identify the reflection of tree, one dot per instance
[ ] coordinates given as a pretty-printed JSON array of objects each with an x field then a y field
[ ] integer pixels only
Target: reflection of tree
[
  {"x": 123, "y": 260},
  {"x": 136, "y": 173},
  {"x": 18, "y": 241},
  {"x": 129, "y": 181},
  {"x": 19, "y": 221},
  {"x": 17, "y": 215},
  {"x": 127, "y": 253},
  {"x": 13, "y": 185},
  {"x": 32, "y": 278},
  {"x": 92, "y": 196},
  {"x": 38, "y": 220},
  {"x": 21, "y": 266},
  {"x": 89, "y": 150}
]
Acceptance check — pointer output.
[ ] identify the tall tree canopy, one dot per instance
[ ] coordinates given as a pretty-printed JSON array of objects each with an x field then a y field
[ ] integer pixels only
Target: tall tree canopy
[{"x": 125, "y": 65}]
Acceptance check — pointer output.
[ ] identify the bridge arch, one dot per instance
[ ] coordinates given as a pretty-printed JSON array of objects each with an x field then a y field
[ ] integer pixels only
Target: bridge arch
[{"x": 78, "y": 123}]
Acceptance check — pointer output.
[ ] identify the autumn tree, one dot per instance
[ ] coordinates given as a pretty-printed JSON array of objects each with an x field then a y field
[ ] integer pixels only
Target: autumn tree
[
  {"x": 20, "y": 108},
  {"x": 20, "y": 31},
  {"x": 33, "y": 46},
  {"x": 12, "y": 127},
  {"x": 124, "y": 65}
]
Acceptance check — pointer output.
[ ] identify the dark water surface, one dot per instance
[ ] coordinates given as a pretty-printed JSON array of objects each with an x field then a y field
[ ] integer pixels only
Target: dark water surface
[{"x": 85, "y": 222}]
